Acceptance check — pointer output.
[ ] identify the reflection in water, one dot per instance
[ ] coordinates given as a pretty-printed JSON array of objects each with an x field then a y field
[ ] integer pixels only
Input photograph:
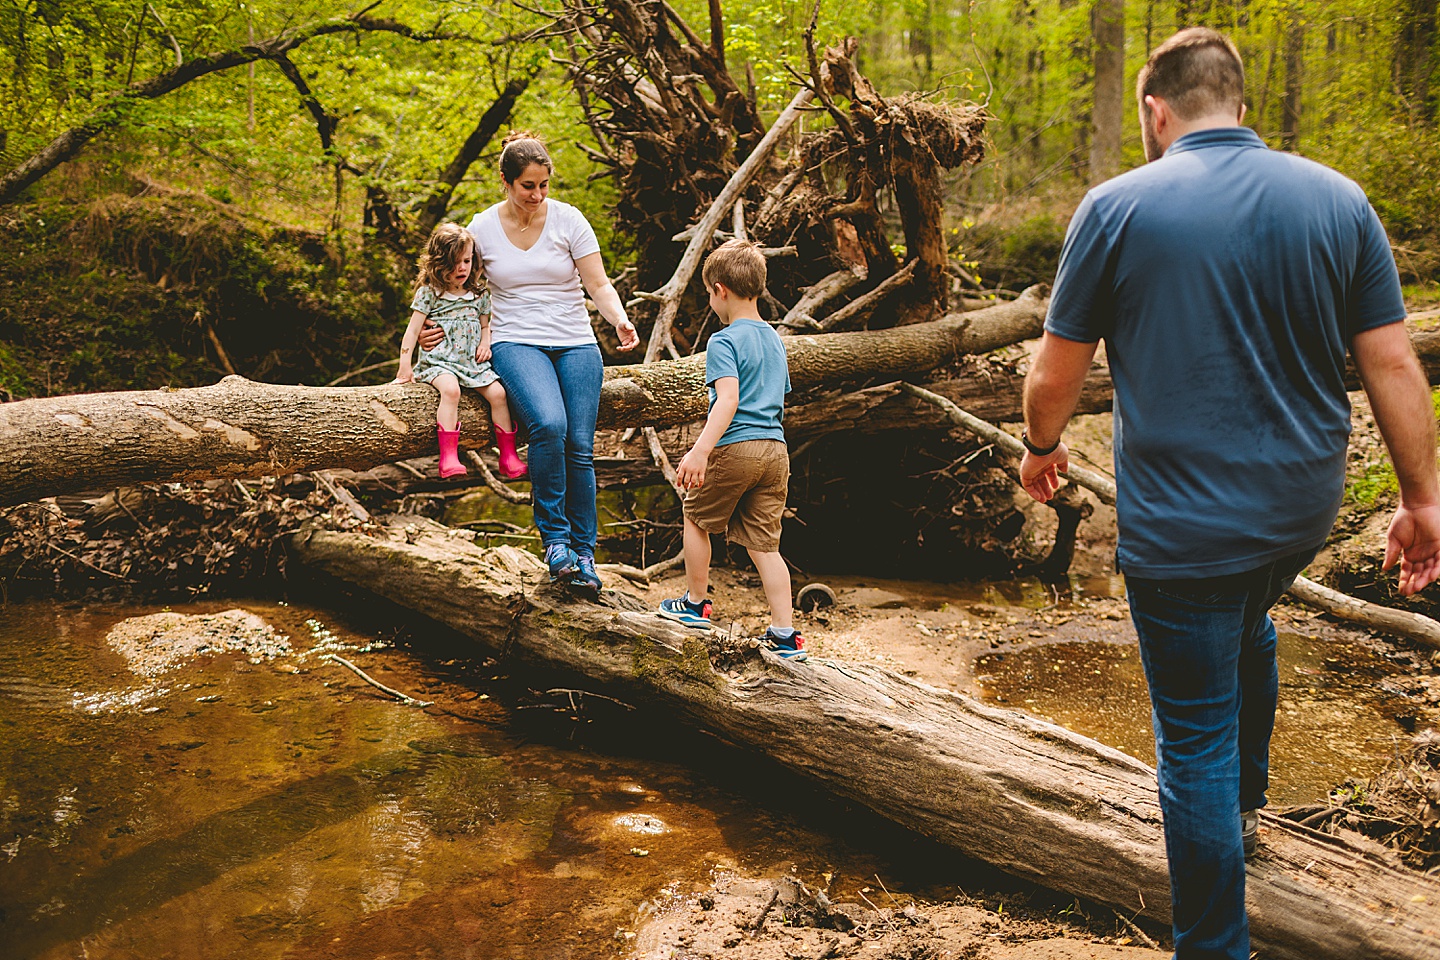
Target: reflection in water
[
  {"x": 283, "y": 809},
  {"x": 1334, "y": 721}
]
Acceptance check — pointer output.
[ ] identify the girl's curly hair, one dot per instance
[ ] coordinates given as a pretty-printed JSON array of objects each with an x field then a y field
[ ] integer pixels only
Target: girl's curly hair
[{"x": 442, "y": 254}]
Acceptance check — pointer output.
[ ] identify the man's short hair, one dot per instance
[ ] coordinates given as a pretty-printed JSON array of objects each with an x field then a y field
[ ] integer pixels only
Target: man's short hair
[
  {"x": 739, "y": 265},
  {"x": 1198, "y": 72}
]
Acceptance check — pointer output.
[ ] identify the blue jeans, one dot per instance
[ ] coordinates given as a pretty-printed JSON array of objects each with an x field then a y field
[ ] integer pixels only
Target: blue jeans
[
  {"x": 1208, "y": 648},
  {"x": 555, "y": 393}
]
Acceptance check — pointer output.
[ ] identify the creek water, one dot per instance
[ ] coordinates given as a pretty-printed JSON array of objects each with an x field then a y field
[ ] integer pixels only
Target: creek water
[
  {"x": 266, "y": 809},
  {"x": 281, "y": 808}
]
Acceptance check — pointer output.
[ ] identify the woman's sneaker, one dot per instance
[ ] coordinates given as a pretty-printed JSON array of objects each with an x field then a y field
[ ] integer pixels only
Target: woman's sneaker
[
  {"x": 562, "y": 561},
  {"x": 787, "y": 648},
  {"x": 584, "y": 578},
  {"x": 683, "y": 610}
]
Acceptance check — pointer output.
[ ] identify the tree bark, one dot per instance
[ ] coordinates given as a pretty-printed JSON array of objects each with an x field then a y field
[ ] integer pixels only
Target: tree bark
[
  {"x": 1032, "y": 798},
  {"x": 1107, "y": 112},
  {"x": 1294, "y": 81},
  {"x": 237, "y": 428}
]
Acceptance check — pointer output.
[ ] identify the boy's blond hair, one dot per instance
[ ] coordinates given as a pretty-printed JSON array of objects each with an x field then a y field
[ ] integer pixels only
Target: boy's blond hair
[
  {"x": 739, "y": 266},
  {"x": 442, "y": 254}
]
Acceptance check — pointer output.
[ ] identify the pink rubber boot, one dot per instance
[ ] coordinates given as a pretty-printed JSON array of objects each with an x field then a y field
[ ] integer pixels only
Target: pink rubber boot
[
  {"x": 450, "y": 465},
  {"x": 511, "y": 466}
]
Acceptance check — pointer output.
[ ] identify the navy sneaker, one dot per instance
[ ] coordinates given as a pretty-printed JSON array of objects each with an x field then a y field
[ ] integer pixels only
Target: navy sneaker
[
  {"x": 787, "y": 648},
  {"x": 584, "y": 578},
  {"x": 682, "y": 610},
  {"x": 562, "y": 561}
]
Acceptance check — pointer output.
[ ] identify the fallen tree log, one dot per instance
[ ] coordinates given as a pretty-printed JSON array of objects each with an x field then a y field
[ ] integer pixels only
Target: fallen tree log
[
  {"x": 1032, "y": 798},
  {"x": 238, "y": 428}
]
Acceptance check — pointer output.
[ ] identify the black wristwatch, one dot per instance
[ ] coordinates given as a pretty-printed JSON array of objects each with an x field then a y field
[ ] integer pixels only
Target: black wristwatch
[{"x": 1038, "y": 451}]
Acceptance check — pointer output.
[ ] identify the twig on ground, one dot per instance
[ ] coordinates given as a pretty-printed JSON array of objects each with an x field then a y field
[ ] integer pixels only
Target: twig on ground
[
  {"x": 406, "y": 699},
  {"x": 1144, "y": 937},
  {"x": 80, "y": 559},
  {"x": 770, "y": 905}
]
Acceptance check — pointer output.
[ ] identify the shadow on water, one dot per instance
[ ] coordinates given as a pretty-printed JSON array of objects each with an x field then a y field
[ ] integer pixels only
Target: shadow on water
[{"x": 169, "y": 867}]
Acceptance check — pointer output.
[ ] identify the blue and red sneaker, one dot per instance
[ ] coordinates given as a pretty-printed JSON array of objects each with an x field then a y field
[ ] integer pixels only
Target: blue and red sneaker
[
  {"x": 684, "y": 610},
  {"x": 787, "y": 647}
]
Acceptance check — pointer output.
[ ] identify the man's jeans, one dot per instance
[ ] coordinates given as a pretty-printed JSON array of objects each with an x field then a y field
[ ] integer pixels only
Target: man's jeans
[
  {"x": 555, "y": 393},
  {"x": 1208, "y": 648}
]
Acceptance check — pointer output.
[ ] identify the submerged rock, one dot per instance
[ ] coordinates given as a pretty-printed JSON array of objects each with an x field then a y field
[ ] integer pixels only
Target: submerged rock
[{"x": 159, "y": 642}]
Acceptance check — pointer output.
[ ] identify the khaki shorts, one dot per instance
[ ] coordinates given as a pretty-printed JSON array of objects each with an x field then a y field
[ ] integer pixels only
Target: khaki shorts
[{"x": 744, "y": 493}]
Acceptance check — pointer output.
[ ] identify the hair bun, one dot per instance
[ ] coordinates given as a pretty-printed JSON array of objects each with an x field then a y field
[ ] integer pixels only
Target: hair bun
[{"x": 514, "y": 135}]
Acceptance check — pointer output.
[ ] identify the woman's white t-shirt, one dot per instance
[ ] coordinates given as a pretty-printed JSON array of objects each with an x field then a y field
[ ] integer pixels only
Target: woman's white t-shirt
[{"x": 536, "y": 294}]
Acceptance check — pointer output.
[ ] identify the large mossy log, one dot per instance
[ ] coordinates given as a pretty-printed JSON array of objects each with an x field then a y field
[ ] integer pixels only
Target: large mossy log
[
  {"x": 238, "y": 428},
  {"x": 1030, "y": 797}
]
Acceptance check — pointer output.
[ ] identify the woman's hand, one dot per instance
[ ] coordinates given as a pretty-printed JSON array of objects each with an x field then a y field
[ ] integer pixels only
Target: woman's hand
[
  {"x": 431, "y": 336},
  {"x": 625, "y": 330}
]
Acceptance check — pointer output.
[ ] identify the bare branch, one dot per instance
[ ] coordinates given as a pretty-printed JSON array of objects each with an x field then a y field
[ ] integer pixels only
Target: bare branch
[{"x": 675, "y": 287}]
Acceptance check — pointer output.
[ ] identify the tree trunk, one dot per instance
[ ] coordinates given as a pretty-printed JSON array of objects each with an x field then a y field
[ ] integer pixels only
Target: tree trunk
[
  {"x": 1107, "y": 114},
  {"x": 1032, "y": 798},
  {"x": 1294, "y": 81},
  {"x": 1414, "y": 58},
  {"x": 237, "y": 428}
]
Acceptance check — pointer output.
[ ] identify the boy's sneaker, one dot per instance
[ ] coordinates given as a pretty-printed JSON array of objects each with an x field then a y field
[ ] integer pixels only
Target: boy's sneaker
[
  {"x": 787, "y": 648},
  {"x": 1250, "y": 831},
  {"x": 682, "y": 610},
  {"x": 584, "y": 578},
  {"x": 561, "y": 560}
]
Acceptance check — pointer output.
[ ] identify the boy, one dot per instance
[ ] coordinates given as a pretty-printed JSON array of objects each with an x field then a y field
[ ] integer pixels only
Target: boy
[{"x": 737, "y": 475}]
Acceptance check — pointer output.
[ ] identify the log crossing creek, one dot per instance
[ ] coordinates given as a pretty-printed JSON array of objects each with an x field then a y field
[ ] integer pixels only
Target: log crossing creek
[{"x": 263, "y": 801}]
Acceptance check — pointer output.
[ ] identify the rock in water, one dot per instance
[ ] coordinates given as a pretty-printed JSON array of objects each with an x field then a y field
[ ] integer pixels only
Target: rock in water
[{"x": 160, "y": 642}]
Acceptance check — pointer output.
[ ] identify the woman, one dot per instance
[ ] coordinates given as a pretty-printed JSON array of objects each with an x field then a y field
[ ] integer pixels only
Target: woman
[{"x": 538, "y": 254}]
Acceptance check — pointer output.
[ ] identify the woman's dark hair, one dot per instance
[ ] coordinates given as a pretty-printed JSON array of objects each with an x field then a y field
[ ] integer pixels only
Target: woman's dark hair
[{"x": 519, "y": 150}]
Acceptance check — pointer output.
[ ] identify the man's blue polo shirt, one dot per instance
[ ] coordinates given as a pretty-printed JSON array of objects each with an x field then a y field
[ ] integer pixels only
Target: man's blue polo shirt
[{"x": 1227, "y": 280}]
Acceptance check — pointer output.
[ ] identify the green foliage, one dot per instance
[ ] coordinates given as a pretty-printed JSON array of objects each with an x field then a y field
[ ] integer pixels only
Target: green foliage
[
  {"x": 1376, "y": 486},
  {"x": 401, "y": 108}
]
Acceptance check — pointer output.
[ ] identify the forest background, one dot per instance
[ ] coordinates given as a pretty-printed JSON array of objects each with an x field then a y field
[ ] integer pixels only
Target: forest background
[{"x": 260, "y": 218}]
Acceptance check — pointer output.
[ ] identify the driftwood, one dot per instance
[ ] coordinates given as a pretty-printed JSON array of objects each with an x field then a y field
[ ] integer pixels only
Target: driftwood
[
  {"x": 1032, "y": 798},
  {"x": 238, "y": 428},
  {"x": 1403, "y": 623}
]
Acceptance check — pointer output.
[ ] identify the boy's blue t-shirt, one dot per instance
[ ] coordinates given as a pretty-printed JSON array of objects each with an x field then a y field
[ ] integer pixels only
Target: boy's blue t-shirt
[
  {"x": 1227, "y": 280},
  {"x": 751, "y": 351}
]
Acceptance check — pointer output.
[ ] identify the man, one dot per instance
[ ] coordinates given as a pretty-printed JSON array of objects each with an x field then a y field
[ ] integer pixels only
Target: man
[{"x": 1228, "y": 281}]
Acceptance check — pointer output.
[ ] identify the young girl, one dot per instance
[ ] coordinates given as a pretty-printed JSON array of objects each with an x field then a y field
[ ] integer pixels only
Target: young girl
[{"x": 450, "y": 289}]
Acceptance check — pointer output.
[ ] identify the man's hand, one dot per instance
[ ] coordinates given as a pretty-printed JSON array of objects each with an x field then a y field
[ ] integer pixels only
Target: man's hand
[
  {"x": 629, "y": 339},
  {"x": 691, "y": 472},
  {"x": 1040, "y": 476},
  {"x": 431, "y": 336},
  {"x": 1414, "y": 541}
]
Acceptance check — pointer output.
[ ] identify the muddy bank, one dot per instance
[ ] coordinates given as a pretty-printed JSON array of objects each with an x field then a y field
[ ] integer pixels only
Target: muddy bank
[{"x": 784, "y": 918}]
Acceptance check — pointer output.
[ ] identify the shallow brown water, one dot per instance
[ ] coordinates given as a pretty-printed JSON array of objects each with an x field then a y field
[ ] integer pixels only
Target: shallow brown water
[
  {"x": 283, "y": 808},
  {"x": 1334, "y": 720}
]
